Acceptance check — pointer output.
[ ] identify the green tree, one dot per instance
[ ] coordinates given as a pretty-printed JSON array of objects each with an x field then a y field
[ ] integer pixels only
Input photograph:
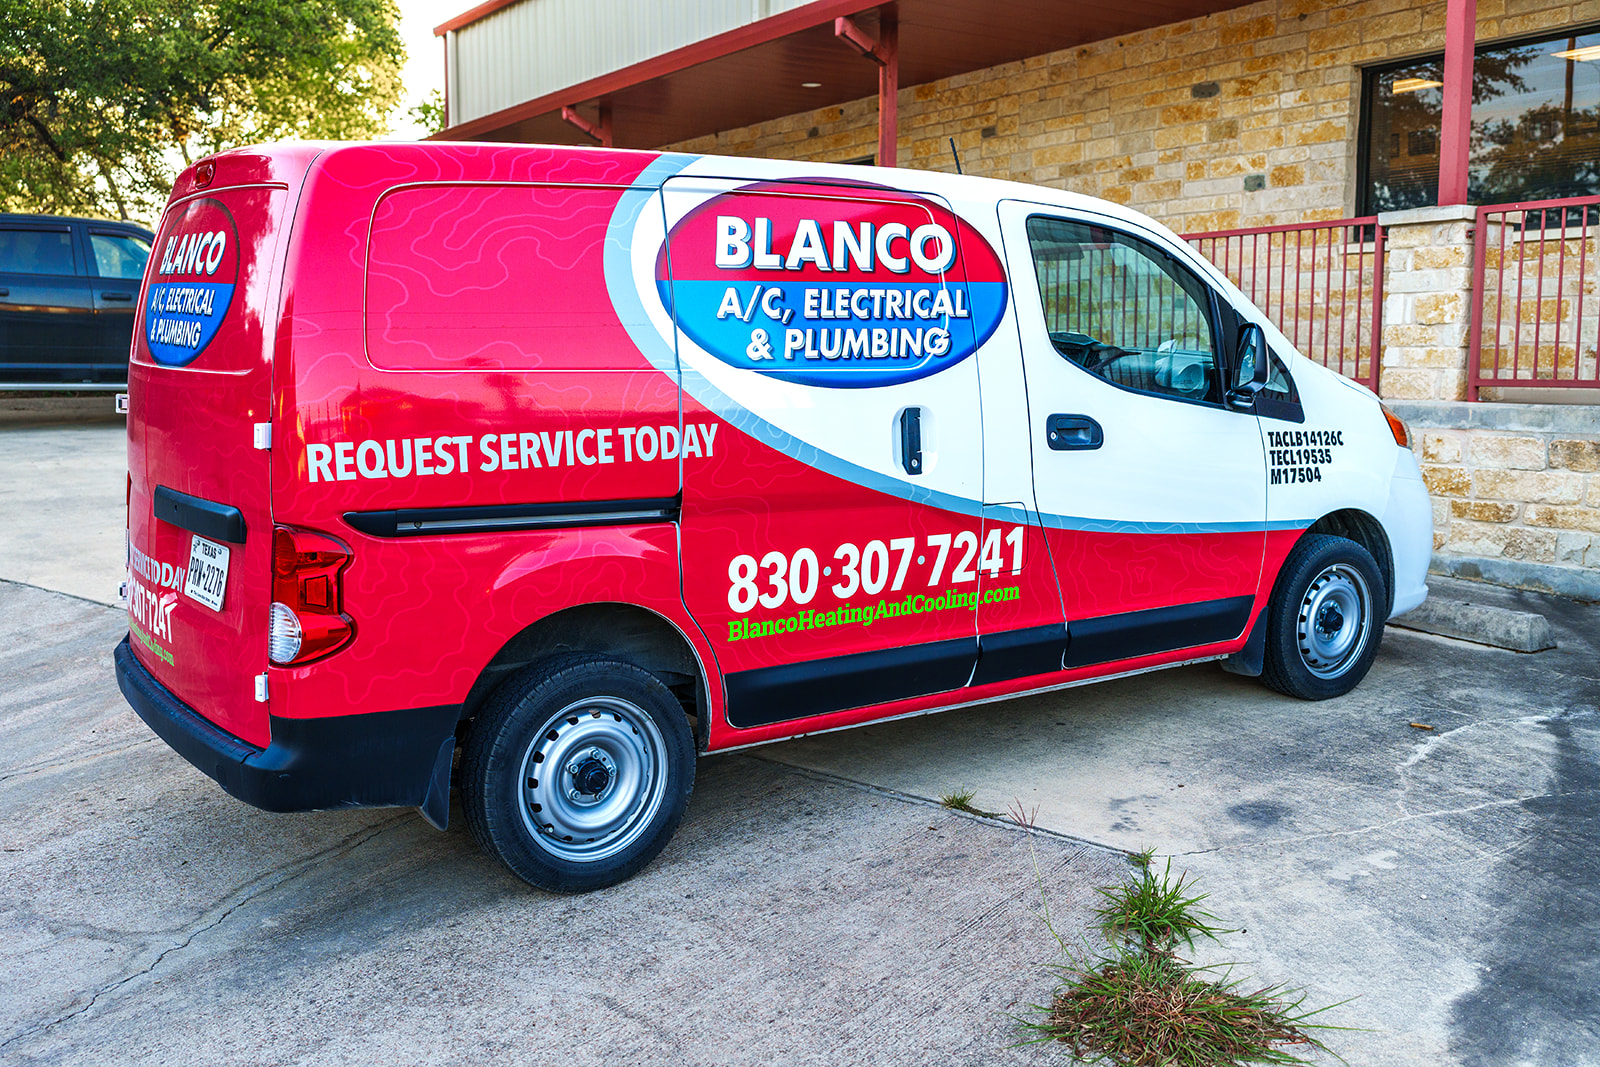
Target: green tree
[
  {"x": 103, "y": 101},
  {"x": 428, "y": 114}
]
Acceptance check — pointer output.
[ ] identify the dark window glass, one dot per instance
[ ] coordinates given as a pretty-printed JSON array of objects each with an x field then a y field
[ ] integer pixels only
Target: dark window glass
[
  {"x": 1124, "y": 310},
  {"x": 35, "y": 252},
  {"x": 119, "y": 256},
  {"x": 1535, "y": 125}
]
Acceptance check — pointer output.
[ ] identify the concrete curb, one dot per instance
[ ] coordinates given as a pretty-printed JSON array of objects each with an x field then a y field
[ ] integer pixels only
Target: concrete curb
[
  {"x": 1578, "y": 583},
  {"x": 1519, "y": 631},
  {"x": 21, "y": 409}
]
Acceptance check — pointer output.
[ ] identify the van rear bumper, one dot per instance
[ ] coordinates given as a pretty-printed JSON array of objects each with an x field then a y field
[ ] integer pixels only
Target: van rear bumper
[{"x": 383, "y": 759}]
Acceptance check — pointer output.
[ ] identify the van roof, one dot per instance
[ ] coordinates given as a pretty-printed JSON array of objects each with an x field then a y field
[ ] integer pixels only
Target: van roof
[{"x": 964, "y": 187}]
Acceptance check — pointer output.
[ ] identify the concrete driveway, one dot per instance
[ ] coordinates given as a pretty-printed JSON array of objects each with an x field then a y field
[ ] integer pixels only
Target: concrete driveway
[{"x": 815, "y": 906}]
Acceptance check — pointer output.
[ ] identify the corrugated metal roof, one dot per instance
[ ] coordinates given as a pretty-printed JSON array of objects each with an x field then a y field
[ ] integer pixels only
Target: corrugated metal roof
[{"x": 536, "y": 47}]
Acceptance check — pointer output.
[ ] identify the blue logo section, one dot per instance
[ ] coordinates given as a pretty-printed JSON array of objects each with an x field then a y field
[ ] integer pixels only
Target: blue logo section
[
  {"x": 834, "y": 335},
  {"x": 181, "y": 318}
]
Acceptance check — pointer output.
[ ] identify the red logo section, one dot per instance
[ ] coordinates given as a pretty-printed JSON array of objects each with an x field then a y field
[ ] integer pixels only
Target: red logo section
[
  {"x": 830, "y": 285},
  {"x": 193, "y": 283}
]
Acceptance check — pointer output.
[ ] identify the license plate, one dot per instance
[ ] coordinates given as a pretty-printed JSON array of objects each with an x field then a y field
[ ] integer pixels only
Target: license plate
[{"x": 208, "y": 572}]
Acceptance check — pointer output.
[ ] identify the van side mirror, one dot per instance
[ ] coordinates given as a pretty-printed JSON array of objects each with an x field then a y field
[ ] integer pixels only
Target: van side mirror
[{"x": 1252, "y": 365}]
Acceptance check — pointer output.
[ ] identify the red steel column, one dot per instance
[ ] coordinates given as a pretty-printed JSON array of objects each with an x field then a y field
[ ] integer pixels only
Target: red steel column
[
  {"x": 885, "y": 52},
  {"x": 445, "y": 40},
  {"x": 600, "y": 131},
  {"x": 888, "y": 86},
  {"x": 1455, "y": 136}
]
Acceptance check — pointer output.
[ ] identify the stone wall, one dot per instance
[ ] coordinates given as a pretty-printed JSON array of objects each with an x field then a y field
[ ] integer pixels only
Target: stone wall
[
  {"x": 1242, "y": 118},
  {"x": 1516, "y": 491}
]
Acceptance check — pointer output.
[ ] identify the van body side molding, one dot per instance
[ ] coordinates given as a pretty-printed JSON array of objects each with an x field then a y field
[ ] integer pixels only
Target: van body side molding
[
  {"x": 1020, "y": 653},
  {"x": 219, "y": 522},
  {"x": 1143, "y": 633},
  {"x": 421, "y": 522},
  {"x": 788, "y": 691}
]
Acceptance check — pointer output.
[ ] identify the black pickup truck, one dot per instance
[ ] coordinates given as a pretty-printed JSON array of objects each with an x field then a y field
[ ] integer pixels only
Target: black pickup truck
[{"x": 68, "y": 291}]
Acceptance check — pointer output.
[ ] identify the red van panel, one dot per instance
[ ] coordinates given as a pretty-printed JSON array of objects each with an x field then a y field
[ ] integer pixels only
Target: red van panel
[
  {"x": 199, "y": 379},
  {"x": 455, "y": 350}
]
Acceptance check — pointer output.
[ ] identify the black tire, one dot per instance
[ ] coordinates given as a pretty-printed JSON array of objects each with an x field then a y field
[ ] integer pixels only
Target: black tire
[
  {"x": 1324, "y": 622},
  {"x": 620, "y": 758}
]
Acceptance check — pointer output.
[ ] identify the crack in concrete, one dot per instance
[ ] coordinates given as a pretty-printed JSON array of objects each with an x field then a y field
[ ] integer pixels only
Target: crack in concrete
[
  {"x": 1424, "y": 748},
  {"x": 71, "y": 596},
  {"x": 50, "y": 765},
  {"x": 1500, "y": 803},
  {"x": 1003, "y": 821},
  {"x": 215, "y": 917}
]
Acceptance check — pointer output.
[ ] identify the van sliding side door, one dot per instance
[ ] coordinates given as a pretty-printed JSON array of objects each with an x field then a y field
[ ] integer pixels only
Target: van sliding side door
[{"x": 822, "y": 537}]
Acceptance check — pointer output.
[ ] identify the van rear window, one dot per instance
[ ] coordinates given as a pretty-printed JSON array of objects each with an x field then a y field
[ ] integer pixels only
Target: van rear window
[{"x": 493, "y": 278}]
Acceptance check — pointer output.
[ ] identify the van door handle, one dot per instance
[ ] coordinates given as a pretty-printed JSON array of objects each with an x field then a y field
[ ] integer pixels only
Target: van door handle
[
  {"x": 116, "y": 296},
  {"x": 911, "y": 440},
  {"x": 5, "y": 292},
  {"x": 1070, "y": 433}
]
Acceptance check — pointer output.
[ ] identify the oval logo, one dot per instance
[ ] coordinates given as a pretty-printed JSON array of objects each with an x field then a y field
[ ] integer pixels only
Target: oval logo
[
  {"x": 845, "y": 287},
  {"x": 193, "y": 282}
]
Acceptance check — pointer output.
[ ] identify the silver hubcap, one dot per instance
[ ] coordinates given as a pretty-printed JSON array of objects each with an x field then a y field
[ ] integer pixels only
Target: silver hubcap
[
  {"x": 593, "y": 778},
  {"x": 1335, "y": 615}
]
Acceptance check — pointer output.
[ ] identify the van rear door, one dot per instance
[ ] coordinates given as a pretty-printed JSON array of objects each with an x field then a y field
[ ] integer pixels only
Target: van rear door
[{"x": 199, "y": 510}]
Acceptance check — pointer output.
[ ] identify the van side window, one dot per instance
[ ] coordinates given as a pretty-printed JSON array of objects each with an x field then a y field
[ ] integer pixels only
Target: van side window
[
  {"x": 1123, "y": 309},
  {"x": 493, "y": 277}
]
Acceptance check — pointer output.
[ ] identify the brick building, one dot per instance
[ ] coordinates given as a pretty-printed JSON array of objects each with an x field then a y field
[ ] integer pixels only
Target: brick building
[{"x": 1325, "y": 153}]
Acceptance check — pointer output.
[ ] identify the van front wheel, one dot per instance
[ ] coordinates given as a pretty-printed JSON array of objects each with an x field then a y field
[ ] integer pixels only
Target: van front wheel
[
  {"x": 1323, "y": 625},
  {"x": 577, "y": 772}
]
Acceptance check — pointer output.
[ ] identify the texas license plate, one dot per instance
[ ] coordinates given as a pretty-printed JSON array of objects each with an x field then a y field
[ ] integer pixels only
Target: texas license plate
[{"x": 208, "y": 572}]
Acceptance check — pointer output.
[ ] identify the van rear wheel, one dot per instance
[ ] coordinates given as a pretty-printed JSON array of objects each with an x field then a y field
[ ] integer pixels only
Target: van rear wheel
[
  {"x": 577, "y": 772},
  {"x": 1323, "y": 624}
]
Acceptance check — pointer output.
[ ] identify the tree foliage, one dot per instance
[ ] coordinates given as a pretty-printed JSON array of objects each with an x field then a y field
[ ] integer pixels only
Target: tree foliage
[
  {"x": 428, "y": 113},
  {"x": 103, "y": 101}
]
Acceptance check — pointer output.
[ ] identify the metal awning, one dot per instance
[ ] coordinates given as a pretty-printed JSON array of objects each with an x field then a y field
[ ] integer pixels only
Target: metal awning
[{"x": 756, "y": 72}]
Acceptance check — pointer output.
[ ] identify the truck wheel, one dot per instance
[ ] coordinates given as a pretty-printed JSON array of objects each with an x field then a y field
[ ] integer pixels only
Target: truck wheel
[
  {"x": 1323, "y": 627},
  {"x": 577, "y": 772}
]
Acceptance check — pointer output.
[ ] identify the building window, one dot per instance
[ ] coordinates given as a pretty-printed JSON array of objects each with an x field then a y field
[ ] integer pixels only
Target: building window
[{"x": 1535, "y": 125}]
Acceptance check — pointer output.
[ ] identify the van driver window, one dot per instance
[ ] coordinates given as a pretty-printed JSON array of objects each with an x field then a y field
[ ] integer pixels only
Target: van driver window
[{"x": 1124, "y": 310}]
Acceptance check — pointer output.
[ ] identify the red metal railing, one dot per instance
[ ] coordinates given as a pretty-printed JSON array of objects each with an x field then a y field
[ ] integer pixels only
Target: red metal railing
[
  {"x": 1321, "y": 283},
  {"x": 1535, "y": 304}
]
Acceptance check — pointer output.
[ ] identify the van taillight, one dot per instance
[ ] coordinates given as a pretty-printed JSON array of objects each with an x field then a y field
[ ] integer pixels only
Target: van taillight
[{"x": 307, "y": 618}]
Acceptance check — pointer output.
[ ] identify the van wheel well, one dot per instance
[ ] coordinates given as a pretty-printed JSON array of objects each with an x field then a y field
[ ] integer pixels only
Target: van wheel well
[
  {"x": 1367, "y": 532},
  {"x": 625, "y": 631}
]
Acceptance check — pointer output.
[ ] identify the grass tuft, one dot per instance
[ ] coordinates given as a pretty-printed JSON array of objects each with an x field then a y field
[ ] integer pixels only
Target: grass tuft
[
  {"x": 1140, "y": 1005},
  {"x": 1153, "y": 913},
  {"x": 961, "y": 800},
  {"x": 1142, "y": 1011},
  {"x": 1023, "y": 817}
]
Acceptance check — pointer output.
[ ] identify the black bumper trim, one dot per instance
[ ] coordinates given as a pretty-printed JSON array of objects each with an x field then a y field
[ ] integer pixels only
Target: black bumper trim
[
  {"x": 381, "y": 759},
  {"x": 220, "y": 522}
]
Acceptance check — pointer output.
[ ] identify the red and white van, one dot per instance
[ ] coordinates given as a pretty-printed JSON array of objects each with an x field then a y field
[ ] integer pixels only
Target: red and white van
[{"x": 587, "y": 461}]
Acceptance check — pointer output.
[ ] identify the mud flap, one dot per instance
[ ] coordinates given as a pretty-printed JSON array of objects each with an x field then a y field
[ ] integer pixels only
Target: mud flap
[
  {"x": 435, "y": 807},
  {"x": 1249, "y": 659}
]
